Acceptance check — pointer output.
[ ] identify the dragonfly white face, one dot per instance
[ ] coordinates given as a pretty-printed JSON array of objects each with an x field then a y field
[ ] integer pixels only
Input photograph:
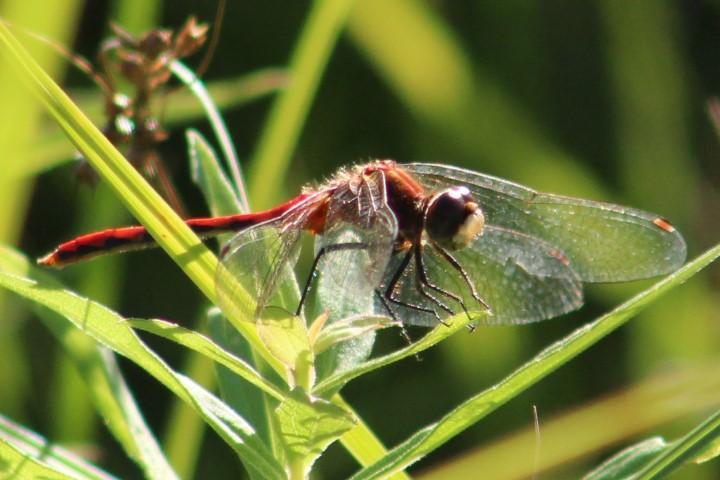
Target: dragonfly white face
[{"x": 453, "y": 219}]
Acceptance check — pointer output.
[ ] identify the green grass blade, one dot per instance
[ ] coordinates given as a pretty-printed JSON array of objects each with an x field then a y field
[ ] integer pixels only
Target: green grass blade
[
  {"x": 691, "y": 444},
  {"x": 171, "y": 233},
  {"x": 322, "y": 29},
  {"x": 439, "y": 333},
  {"x": 709, "y": 452},
  {"x": 145, "y": 204},
  {"x": 362, "y": 442},
  {"x": 112, "y": 398},
  {"x": 210, "y": 178},
  {"x": 26, "y": 454},
  {"x": 556, "y": 355},
  {"x": 619, "y": 417},
  {"x": 183, "y": 437},
  {"x": 111, "y": 330},
  {"x": 202, "y": 344},
  {"x": 656, "y": 458},
  {"x": 625, "y": 463},
  {"x": 197, "y": 87},
  {"x": 185, "y": 430},
  {"x": 99, "y": 370}
]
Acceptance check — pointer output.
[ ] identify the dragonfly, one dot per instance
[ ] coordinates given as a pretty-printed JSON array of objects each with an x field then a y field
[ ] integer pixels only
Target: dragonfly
[{"x": 422, "y": 242}]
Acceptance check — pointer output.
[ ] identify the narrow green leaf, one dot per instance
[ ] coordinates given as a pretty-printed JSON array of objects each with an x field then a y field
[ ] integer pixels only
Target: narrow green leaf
[
  {"x": 208, "y": 175},
  {"x": 348, "y": 329},
  {"x": 99, "y": 370},
  {"x": 547, "y": 361},
  {"x": 436, "y": 335},
  {"x": 165, "y": 226},
  {"x": 113, "y": 331},
  {"x": 362, "y": 442},
  {"x": 162, "y": 222},
  {"x": 25, "y": 454},
  {"x": 655, "y": 458},
  {"x": 254, "y": 454},
  {"x": 113, "y": 400},
  {"x": 285, "y": 335},
  {"x": 185, "y": 430},
  {"x": 692, "y": 444},
  {"x": 624, "y": 464},
  {"x": 227, "y": 93},
  {"x": 197, "y": 87},
  {"x": 665, "y": 397},
  {"x": 202, "y": 344},
  {"x": 16, "y": 464},
  {"x": 242, "y": 396}
]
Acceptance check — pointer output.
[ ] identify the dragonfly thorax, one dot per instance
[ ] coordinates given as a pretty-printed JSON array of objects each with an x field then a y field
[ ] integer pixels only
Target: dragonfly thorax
[{"x": 453, "y": 218}]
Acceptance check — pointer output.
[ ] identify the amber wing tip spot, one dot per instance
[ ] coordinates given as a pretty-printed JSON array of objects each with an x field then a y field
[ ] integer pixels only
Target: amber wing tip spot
[{"x": 664, "y": 225}]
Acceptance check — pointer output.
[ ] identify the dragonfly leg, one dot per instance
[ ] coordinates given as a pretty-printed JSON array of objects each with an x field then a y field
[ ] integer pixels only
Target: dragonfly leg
[
  {"x": 313, "y": 270},
  {"x": 423, "y": 279},
  {"x": 457, "y": 266},
  {"x": 385, "y": 304},
  {"x": 390, "y": 290}
]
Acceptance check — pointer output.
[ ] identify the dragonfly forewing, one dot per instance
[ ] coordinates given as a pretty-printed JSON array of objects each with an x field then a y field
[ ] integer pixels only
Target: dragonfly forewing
[{"x": 604, "y": 242}]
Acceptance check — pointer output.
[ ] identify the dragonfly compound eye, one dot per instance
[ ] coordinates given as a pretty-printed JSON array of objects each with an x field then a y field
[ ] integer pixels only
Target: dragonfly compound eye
[{"x": 453, "y": 219}]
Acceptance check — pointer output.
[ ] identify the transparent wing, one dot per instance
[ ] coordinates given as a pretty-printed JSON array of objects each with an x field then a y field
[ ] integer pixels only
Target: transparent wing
[
  {"x": 604, "y": 242},
  {"x": 359, "y": 218},
  {"x": 261, "y": 260},
  {"x": 521, "y": 278}
]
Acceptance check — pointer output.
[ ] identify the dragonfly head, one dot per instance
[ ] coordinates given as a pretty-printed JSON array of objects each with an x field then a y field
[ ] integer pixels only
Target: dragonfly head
[{"x": 453, "y": 218}]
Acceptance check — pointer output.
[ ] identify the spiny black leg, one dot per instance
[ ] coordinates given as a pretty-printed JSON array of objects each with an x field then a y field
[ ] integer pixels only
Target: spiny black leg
[
  {"x": 385, "y": 304},
  {"x": 390, "y": 290},
  {"x": 421, "y": 281},
  {"x": 403, "y": 332},
  {"x": 326, "y": 249},
  {"x": 423, "y": 278},
  {"x": 456, "y": 265}
]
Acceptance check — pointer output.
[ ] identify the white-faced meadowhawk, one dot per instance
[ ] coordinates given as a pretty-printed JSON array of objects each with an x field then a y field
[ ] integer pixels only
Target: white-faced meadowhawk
[{"x": 425, "y": 241}]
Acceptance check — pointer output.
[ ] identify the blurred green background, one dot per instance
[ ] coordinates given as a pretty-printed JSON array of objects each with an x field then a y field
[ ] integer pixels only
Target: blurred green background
[{"x": 605, "y": 100}]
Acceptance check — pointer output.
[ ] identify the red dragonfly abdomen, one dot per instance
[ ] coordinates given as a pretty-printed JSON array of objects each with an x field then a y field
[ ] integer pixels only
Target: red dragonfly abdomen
[{"x": 123, "y": 239}]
